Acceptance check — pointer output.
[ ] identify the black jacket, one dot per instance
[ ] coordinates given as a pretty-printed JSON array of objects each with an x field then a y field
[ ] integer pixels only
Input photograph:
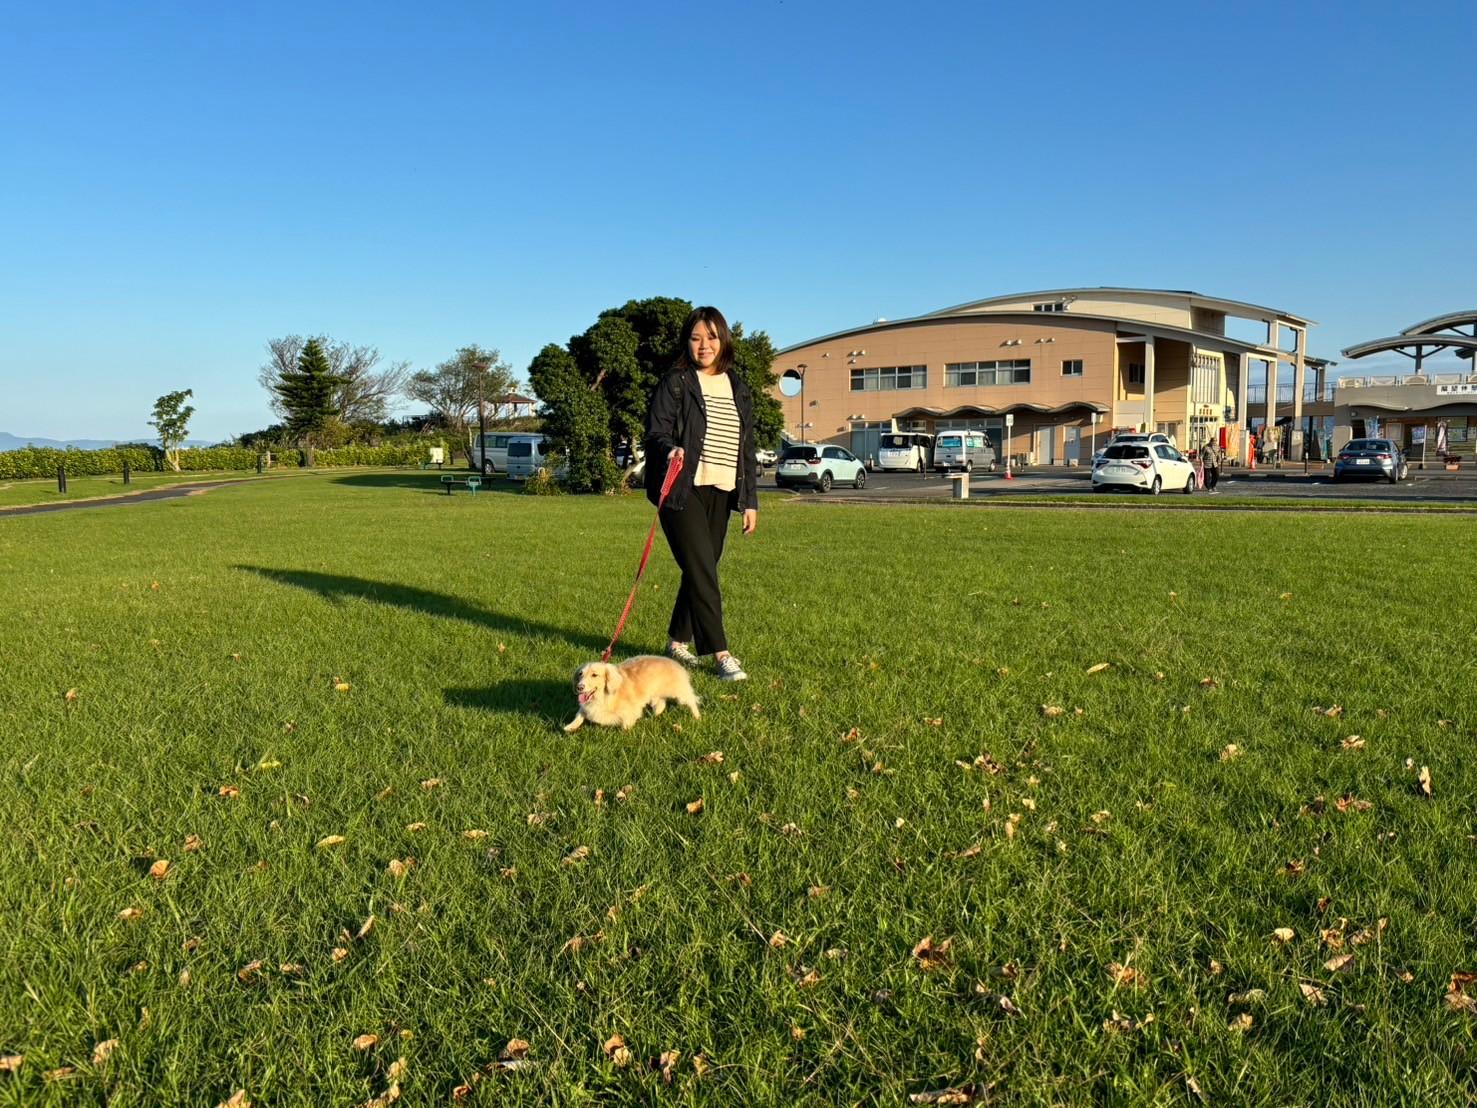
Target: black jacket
[{"x": 677, "y": 417}]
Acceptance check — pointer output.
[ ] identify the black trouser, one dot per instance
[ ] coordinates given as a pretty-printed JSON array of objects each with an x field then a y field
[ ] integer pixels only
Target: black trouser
[
  {"x": 1212, "y": 475},
  {"x": 696, "y": 535}
]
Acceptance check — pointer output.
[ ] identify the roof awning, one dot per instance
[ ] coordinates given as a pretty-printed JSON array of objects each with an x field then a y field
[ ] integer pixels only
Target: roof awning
[{"x": 977, "y": 411}]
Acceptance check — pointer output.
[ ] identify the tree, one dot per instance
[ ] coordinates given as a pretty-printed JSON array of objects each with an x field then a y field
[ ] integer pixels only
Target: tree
[
  {"x": 576, "y": 419},
  {"x": 366, "y": 392},
  {"x": 753, "y": 361},
  {"x": 454, "y": 389},
  {"x": 307, "y": 393},
  {"x": 172, "y": 420}
]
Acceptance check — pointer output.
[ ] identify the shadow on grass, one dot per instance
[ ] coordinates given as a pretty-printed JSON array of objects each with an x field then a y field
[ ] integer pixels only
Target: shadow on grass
[
  {"x": 428, "y": 481},
  {"x": 549, "y": 701},
  {"x": 335, "y": 587}
]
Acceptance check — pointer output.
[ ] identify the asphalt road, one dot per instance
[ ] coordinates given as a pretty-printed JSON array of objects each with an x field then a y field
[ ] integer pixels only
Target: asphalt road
[{"x": 1429, "y": 486}]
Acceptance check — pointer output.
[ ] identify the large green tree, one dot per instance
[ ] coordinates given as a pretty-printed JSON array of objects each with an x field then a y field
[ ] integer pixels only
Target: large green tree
[
  {"x": 575, "y": 419},
  {"x": 172, "y": 421},
  {"x": 307, "y": 393},
  {"x": 367, "y": 390}
]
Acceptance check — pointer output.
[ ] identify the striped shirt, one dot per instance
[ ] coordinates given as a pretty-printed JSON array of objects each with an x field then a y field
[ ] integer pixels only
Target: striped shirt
[{"x": 718, "y": 465}]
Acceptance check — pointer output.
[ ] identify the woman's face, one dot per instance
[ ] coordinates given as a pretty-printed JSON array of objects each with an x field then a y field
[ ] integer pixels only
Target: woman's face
[{"x": 703, "y": 345}]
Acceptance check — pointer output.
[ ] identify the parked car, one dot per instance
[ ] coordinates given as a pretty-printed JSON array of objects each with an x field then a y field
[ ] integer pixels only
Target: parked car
[
  {"x": 911, "y": 451},
  {"x": 1371, "y": 458},
  {"x": 1127, "y": 437},
  {"x": 1152, "y": 467},
  {"x": 963, "y": 450},
  {"x": 489, "y": 453},
  {"x": 526, "y": 454},
  {"x": 819, "y": 466},
  {"x": 765, "y": 457}
]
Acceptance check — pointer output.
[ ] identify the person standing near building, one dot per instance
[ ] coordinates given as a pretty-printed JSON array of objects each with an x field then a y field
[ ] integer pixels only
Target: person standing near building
[
  {"x": 1210, "y": 458},
  {"x": 703, "y": 413}
]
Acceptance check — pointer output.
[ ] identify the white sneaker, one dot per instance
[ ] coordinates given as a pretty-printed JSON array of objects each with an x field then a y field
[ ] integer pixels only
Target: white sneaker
[
  {"x": 678, "y": 652},
  {"x": 728, "y": 669}
]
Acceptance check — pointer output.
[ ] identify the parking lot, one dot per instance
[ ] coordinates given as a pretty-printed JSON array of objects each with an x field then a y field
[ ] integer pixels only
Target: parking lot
[{"x": 1423, "y": 486}]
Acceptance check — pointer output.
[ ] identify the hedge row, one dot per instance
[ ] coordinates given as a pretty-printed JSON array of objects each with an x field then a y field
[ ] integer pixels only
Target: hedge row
[{"x": 42, "y": 461}]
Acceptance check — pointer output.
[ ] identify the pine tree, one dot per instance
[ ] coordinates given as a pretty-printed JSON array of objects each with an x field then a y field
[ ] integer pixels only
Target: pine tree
[{"x": 307, "y": 394}]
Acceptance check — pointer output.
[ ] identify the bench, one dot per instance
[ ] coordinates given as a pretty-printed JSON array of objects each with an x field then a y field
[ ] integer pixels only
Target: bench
[{"x": 471, "y": 480}]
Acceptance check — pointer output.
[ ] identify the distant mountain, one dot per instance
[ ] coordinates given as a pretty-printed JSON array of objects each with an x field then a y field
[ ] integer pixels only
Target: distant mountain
[{"x": 16, "y": 442}]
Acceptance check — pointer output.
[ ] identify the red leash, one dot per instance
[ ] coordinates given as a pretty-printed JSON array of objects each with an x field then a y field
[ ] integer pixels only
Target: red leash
[{"x": 674, "y": 467}]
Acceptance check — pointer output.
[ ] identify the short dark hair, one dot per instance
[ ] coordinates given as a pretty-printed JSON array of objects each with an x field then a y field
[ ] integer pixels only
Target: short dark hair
[{"x": 706, "y": 314}]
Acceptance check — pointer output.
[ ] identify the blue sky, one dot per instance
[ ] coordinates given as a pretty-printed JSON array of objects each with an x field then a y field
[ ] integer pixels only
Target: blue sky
[{"x": 180, "y": 183}]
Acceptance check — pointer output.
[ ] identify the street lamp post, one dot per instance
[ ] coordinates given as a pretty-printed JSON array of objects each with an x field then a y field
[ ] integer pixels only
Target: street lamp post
[
  {"x": 801, "y": 369},
  {"x": 1092, "y": 441}
]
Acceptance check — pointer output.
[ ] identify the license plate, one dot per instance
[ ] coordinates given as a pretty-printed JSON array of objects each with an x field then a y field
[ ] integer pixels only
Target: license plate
[{"x": 1361, "y": 461}]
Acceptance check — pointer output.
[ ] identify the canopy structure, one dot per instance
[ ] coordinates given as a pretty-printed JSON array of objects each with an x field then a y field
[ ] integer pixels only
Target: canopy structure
[{"x": 1454, "y": 331}]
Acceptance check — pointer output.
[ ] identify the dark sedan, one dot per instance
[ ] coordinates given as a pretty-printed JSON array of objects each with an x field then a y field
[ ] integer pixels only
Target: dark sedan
[{"x": 1371, "y": 458}]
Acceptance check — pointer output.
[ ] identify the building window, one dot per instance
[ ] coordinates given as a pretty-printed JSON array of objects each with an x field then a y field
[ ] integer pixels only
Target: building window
[
  {"x": 1050, "y": 306},
  {"x": 974, "y": 374},
  {"x": 1072, "y": 368},
  {"x": 889, "y": 378},
  {"x": 1135, "y": 373}
]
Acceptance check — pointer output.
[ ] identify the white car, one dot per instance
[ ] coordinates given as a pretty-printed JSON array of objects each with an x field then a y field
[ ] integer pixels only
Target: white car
[
  {"x": 765, "y": 457},
  {"x": 1130, "y": 437},
  {"x": 1151, "y": 466},
  {"x": 819, "y": 466}
]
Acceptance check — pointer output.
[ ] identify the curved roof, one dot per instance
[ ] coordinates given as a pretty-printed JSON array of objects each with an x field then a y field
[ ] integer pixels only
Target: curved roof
[
  {"x": 1065, "y": 319},
  {"x": 1231, "y": 307},
  {"x": 1406, "y": 341},
  {"x": 1442, "y": 322},
  {"x": 965, "y": 411}
]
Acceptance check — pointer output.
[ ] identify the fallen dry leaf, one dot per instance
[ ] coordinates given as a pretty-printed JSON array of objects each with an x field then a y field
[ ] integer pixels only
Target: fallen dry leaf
[
  {"x": 1332, "y": 937},
  {"x": 1424, "y": 780},
  {"x": 1313, "y": 995},
  {"x": 70, "y": 695},
  {"x": 397, "y": 868},
  {"x": 364, "y": 1042},
  {"x": 816, "y": 891},
  {"x": 1338, "y": 963},
  {"x": 667, "y": 1063},
  {"x": 931, "y": 957},
  {"x": 250, "y": 970},
  {"x": 624, "y": 792},
  {"x": 130, "y": 913},
  {"x": 809, "y": 981},
  {"x": 508, "y": 873},
  {"x": 193, "y": 843},
  {"x": 1051, "y": 711},
  {"x": 1241, "y": 1022},
  {"x": 365, "y": 928},
  {"x": 1126, "y": 976},
  {"x": 414, "y": 827},
  {"x": 102, "y": 1050},
  {"x": 330, "y": 841},
  {"x": 340, "y": 953},
  {"x": 956, "y": 1094},
  {"x": 616, "y": 1050},
  {"x": 1098, "y": 668},
  {"x": 1283, "y": 935},
  {"x": 474, "y": 834},
  {"x": 11, "y": 1063},
  {"x": 230, "y": 792},
  {"x": 1230, "y": 751},
  {"x": 340, "y": 686},
  {"x": 695, "y": 806},
  {"x": 160, "y": 869},
  {"x": 712, "y": 758},
  {"x": 1353, "y": 742},
  {"x": 1209, "y": 683},
  {"x": 61, "y": 1073},
  {"x": 575, "y": 856},
  {"x": 778, "y": 939}
]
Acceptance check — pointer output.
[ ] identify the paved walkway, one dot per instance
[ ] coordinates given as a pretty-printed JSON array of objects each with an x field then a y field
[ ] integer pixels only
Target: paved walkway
[{"x": 169, "y": 492}]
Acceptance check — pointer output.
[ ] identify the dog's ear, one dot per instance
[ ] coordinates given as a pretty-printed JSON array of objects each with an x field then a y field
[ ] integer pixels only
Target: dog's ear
[{"x": 613, "y": 679}]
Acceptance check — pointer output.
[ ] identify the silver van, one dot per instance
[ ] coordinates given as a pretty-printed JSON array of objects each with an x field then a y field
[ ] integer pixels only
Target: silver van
[
  {"x": 489, "y": 453},
  {"x": 964, "y": 450},
  {"x": 527, "y": 454}
]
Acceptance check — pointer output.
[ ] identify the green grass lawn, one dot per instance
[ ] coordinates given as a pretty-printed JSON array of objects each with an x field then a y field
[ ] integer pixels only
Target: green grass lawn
[{"x": 256, "y": 672}]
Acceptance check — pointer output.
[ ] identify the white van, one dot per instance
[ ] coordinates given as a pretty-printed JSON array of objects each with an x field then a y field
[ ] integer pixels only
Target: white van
[
  {"x": 489, "y": 453},
  {"x": 966, "y": 450},
  {"x": 905, "y": 450},
  {"x": 526, "y": 455}
]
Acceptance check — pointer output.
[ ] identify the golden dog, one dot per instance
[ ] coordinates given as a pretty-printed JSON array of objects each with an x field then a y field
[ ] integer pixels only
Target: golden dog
[{"x": 615, "y": 696}]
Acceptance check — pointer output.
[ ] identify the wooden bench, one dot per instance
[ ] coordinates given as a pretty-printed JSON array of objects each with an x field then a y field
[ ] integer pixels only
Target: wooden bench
[{"x": 471, "y": 480}]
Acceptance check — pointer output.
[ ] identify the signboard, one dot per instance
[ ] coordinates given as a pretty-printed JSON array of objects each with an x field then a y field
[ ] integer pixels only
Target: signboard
[
  {"x": 1417, "y": 436},
  {"x": 1456, "y": 390}
]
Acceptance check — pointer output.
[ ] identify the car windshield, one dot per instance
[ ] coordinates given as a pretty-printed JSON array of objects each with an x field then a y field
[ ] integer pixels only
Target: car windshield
[
  {"x": 949, "y": 442},
  {"x": 897, "y": 442},
  {"x": 799, "y": 454},
  {"x": 1374, "y": 445},
  {"x": 1126, "y": 451}
]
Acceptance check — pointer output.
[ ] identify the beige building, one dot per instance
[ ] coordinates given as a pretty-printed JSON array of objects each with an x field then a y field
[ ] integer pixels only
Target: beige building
[{"x": 1069, "y": 366}]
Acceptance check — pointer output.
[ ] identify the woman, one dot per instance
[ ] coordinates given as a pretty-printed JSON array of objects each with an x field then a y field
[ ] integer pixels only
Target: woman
[{"x": 703, "y": 413}]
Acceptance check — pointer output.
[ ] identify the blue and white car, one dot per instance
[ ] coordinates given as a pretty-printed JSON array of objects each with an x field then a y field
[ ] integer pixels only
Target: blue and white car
[{"x": 820, "y": 466}]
